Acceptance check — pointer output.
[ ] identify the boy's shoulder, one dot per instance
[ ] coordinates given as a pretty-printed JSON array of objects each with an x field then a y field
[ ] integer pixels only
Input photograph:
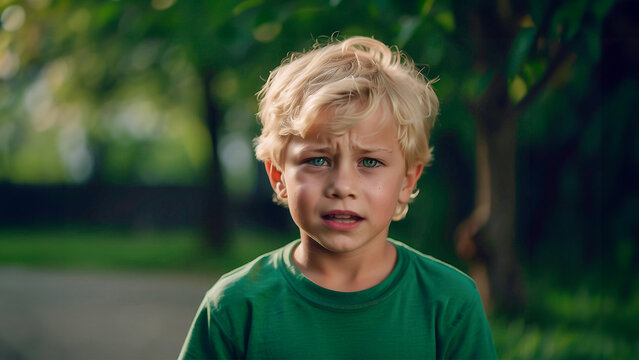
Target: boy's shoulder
[
  {"x": 447, "y": 280},
  {"x": 249, "y": 280}
]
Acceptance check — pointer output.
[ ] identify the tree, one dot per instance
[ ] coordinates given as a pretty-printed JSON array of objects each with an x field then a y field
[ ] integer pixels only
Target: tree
[
  {"x": 123, "y": 65},
  {"x": 522, "y": 49}
]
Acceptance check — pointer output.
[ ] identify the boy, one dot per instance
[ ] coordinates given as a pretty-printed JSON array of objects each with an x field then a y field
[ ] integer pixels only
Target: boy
[{"x": 344, "y": 140}]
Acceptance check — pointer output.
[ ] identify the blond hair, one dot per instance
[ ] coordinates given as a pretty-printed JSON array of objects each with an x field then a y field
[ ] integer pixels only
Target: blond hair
[{"x": 352, "y": 78}]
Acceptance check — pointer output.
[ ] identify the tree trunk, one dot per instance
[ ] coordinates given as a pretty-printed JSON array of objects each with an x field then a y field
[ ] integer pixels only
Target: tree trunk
[
  {"x": 485, "y": 239},
  {"x": 216, "y": 226},
  {"x": 500, "y": 231}
]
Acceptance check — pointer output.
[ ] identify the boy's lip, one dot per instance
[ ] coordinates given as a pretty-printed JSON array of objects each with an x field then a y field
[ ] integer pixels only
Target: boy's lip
[
  {"x": 341, "y": 220},
  {"x": 342, "y": 213}
]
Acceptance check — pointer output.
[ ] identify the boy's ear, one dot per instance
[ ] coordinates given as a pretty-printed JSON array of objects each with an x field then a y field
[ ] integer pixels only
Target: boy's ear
[
  {"x": 275, "y": 178},
  {"x": 410, "y": 182}
]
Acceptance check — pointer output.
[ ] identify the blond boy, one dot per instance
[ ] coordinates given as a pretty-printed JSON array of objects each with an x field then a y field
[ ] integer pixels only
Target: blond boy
[{"x": 345, "y": 131}]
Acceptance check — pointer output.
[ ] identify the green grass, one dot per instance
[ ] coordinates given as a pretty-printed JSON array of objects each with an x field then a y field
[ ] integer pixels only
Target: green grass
[
  {"x": 581, "y": 322},
  {"x": 521, "y": 339},
  {"x": 112, "y": 249}
]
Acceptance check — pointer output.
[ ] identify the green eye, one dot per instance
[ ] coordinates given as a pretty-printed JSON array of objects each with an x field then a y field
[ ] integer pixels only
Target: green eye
[
  {"x": 318, "y": 161},
  {"x": 369, "y": 163}
]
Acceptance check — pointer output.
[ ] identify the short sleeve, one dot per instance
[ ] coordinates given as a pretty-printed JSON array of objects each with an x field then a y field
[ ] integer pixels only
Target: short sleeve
[
  {"x": 469, "y": 335},
  {"x": 206, "y": 339}
]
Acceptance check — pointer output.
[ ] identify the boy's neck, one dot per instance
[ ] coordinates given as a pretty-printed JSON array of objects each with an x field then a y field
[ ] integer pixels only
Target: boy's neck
[{"x": 346, "y": 272}]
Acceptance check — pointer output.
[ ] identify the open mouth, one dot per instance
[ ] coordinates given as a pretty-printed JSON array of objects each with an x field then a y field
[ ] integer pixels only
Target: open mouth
[{"x": 346, "y": 217}]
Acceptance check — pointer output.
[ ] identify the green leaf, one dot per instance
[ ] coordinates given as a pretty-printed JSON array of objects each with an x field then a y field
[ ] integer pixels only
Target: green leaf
[
  {"x": 567, "y": 20},
  {"x": 519, "y": 50},
  {"x": 446, "y": 20},
  {"x": 592, "y": 40},
  {"x": 517, "y": 89},
  {"x": 426, "y": 6},
  {"x": 601, "y": 8},
  {"x": 266, "y": 32},
  {"x": 246, "y": 5},
  {"x": 407, "y": 24},
  {"x": 538, "y": 10}
]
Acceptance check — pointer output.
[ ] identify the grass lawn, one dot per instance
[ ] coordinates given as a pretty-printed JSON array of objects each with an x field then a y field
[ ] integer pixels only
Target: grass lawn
[
  {"x": 567, "y": 324},
  {"x": 577, "y": 323},
  {"x": 111, "y": 249}
]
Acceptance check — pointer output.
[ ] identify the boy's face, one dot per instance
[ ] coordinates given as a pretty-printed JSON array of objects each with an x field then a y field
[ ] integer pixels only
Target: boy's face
[{"x": 342, "y": 190}]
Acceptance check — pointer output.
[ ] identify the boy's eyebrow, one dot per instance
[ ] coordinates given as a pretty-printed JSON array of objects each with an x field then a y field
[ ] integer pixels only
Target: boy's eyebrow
[
  {"x": 374, "y": 149},
  {"x": 328, "y": 148},
  {"x": 313, "y": 147}
]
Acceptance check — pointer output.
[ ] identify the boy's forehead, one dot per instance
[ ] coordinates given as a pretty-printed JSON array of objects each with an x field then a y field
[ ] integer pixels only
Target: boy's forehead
[
  {"x": 375, "y": 132},
  {"x": 331, "y": 122}
]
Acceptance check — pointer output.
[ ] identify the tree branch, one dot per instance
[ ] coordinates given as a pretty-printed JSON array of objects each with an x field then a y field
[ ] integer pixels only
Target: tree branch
[
  {"x": 562, "y": 54},
  {"x": 555, "y": 63}
]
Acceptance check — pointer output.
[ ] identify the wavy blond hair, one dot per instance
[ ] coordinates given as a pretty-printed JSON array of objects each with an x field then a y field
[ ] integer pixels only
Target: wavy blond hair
[{"x": 352, "y": 78}]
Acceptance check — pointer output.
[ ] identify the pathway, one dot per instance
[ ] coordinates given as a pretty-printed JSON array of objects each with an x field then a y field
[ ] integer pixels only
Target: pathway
[{"x": 46, "y": 314}]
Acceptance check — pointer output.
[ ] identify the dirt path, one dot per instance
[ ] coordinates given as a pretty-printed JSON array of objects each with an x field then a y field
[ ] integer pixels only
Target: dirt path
[{"x": 47, "y": 314}]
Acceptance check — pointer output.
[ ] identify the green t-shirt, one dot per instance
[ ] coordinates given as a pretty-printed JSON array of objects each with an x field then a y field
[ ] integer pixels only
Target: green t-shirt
[{"x": 268, "y": 309}]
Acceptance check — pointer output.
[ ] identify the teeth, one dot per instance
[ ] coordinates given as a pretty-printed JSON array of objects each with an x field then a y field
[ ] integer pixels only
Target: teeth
[{"x": 341, "y": 220}]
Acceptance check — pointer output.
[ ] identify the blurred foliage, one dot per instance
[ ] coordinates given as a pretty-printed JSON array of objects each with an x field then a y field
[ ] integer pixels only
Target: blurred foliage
[
  {"x": 114, "y": 92},
  {"x": 91, "y": 93}
]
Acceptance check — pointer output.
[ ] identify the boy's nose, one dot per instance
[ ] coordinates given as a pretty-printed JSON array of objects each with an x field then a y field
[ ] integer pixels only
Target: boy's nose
[{"x": 342, "y": 182}]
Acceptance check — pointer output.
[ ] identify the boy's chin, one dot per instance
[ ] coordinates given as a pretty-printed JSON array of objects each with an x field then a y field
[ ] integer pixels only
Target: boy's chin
[{"x": 339, "y": 244}]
